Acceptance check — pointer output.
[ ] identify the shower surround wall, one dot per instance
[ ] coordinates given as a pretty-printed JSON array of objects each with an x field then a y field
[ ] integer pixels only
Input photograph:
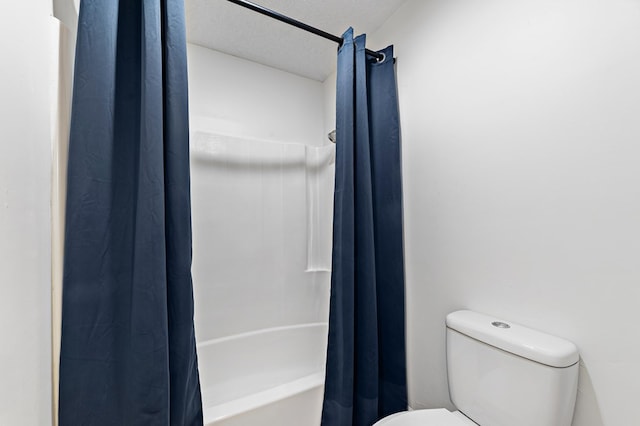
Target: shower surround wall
[
  {"x": 261, "y": 192},
  {"x": 521, "y": 143}
]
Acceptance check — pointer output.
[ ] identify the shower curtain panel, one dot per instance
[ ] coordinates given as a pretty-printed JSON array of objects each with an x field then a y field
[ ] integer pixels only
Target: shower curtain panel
[
  {"x": 128, "y": 353},
  {"x": 366, "y": 367}
]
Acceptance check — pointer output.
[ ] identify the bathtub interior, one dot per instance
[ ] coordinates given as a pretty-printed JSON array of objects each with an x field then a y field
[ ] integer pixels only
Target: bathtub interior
[
  {"x": 246, "y": 364},
  {"x": 249, "y": 371},
  {"x": 303, "y": 408}
]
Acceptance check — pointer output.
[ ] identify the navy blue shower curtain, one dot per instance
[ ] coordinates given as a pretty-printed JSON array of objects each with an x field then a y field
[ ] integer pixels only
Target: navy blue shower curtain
[
  {"x": 366, "y": 367},
  {"x": 128, "y": 353}
]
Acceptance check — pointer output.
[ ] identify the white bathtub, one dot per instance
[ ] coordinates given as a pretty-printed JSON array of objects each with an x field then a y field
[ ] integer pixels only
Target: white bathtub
[{"x": 267, "y": 377}]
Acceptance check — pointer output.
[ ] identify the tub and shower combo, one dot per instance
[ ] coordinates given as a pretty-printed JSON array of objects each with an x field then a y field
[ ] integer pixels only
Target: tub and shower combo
[{"x": 262, "y": 247}]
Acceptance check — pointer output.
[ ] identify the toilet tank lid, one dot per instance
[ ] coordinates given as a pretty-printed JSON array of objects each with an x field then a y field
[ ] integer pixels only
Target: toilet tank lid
[{"x": 514, "y": 338}]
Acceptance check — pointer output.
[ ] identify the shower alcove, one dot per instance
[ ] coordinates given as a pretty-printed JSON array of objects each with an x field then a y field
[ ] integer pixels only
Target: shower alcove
[{"x": 262, "y": 192}]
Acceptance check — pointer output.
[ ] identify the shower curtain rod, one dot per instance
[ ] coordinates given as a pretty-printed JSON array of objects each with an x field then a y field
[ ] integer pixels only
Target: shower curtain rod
[{"x": 282, "y": 18}]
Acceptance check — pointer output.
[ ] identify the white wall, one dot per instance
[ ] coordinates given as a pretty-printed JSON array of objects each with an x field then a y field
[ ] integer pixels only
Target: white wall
[
  {"x": 521, "y": 143},
  {"x": 63, "y": 39},
  {"x": 259, "y": 180},
  {"x": 233, "y": 96},
  {"x": 25, "y": 185}
]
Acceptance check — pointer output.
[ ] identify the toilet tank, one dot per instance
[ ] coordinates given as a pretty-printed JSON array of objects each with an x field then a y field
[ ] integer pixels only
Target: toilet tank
[{"x": 504, "y": 374}]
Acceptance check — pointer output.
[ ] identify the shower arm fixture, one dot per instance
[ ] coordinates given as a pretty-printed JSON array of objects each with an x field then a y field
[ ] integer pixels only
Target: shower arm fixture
[{"x": 282, "y": 18}]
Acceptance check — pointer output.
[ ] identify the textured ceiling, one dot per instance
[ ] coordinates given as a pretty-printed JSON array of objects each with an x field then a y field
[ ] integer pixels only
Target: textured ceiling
[{"x": 232, "y": 29}]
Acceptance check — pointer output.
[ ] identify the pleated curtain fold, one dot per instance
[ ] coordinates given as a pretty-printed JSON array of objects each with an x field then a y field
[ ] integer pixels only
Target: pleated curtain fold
[
  {"x": 366, "y": 366},
  {"x": 128, "y": 354}
]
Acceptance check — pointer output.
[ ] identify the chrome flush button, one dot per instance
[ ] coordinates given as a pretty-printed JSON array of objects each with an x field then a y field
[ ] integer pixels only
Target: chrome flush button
[{"x": 500, "y": 324}]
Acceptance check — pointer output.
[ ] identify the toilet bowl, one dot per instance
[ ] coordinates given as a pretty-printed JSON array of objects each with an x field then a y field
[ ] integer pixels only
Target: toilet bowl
[{"x": 502, "y": 374}]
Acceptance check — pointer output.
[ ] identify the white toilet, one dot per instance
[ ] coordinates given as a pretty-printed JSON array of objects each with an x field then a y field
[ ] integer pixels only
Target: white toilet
[{"x": 502, "y": 374}]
